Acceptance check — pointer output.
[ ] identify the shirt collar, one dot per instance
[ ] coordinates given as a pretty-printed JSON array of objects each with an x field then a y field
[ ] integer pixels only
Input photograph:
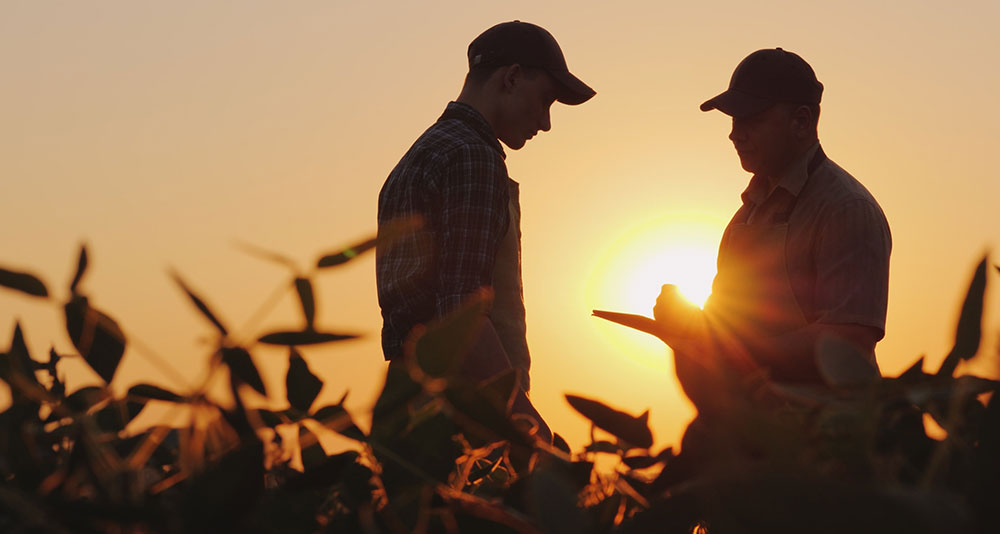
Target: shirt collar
[
  {"x": 475, "y": 120},
  {"x": 792, "y": 179}
]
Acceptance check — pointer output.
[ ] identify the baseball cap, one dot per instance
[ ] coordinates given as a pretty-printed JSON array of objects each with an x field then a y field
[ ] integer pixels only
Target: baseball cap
[
  {"x": 764, "y": 78},
  {"x": 530, "y": 46}
]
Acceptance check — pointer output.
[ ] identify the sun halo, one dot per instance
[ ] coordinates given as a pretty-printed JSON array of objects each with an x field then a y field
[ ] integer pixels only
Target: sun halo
[{"x": 679, "y": 249}]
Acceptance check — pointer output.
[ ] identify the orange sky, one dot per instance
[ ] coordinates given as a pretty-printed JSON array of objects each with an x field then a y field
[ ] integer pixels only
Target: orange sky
[{"x": 160, "y": 133}]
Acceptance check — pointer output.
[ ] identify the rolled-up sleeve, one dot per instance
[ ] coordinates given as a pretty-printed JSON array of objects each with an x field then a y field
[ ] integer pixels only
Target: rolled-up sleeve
[
  {"x": 474, "y": 216},
  {"x": 852, "y": 266}
]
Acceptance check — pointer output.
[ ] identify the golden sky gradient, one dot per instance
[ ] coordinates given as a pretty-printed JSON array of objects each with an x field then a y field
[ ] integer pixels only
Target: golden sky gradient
[{"x": 162, "y": 132}]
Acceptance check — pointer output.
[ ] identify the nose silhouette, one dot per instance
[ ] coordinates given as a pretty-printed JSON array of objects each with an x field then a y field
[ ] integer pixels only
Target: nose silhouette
[{"x": 737, "y": 133}]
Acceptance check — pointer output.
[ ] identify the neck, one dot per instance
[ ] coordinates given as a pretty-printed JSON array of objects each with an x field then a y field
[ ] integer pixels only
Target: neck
[
  {"x": 475, "y": 99},
  {"x": 774, "y": 176}
]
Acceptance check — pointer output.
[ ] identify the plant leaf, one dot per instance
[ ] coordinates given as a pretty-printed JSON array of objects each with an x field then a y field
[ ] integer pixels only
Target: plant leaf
[
  {"x": 200, "y": 304},
  {"x": 916, "y": 371},
  {"x": 559, "y": 442},
  {"x": 336, "y": 418},
  {"x": 96, "y": 336},
  {"x": 313, "y": 454},
  {"x": 117, "y": 415},
  {"x": 23, "y": 282},
  {"x": 603, "y": 446},
  {"x": 346, "y": 255},
  {"x": 81, "y": 267},
  {"x": 242, "y": 367},
  {"x": 640, "y": 462},
  {"x": 970, "y": 323},
  {"x": 18, "y": 369},
  {"x": 633, "y": 430},
  {"x": 483, "y": 420},
  {"x": 84, "y": 398},
  {"x": 553, "y": 502},
  {"x": 301, "y": 385},
  {"x": 260, "y": 252},
  {"x": 149, "y": 391},
  {"x": 304, "y": 287},
  {"x": 325, "y": 475},
  {"x": 304, "y": 337},
  {"x": 270, "y": 418},
  {"x": 440, "y": 348}
]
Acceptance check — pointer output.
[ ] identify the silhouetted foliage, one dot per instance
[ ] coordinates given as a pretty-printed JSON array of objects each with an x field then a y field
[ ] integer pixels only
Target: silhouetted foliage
[{"x": 446, "y": 455}]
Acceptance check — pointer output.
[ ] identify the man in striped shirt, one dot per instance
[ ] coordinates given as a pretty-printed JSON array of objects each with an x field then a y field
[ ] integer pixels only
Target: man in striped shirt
[{"x": 806, "y": 257}]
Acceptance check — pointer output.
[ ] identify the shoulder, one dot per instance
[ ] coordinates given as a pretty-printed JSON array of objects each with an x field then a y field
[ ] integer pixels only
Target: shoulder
[{"x": 835, "y": 190}]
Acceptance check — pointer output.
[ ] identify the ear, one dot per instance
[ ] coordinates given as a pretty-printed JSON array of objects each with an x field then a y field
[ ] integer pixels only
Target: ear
[
  {"x": 803, "y": 120},
  {"x": 511, "y": 76}
]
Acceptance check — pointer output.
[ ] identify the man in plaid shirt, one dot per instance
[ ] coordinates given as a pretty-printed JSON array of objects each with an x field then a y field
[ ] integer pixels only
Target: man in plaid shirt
[{"x": 454, "y": 181}]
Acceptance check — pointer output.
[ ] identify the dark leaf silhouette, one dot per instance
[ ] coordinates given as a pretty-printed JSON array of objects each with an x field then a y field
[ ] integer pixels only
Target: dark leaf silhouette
[
  {"x": 640, "y": 462},
  {"x": 82, "y": 399},
  {"x": 324, "y": 475},
  {"x": 18, "y": 370},
  {"x": 390, "y": 413},
  {"x": 633, "y": 430},
  {"x": 301, "y": 385},
  {"x": 552, "y": 502},
  {"x": 23, "y": 282},
  {"x": 19, "y": 360},
  {"x": 440, "y": 348},
  {"x": 483, "y": 419},
  {"x": 50, "y": 365},
  {"x": 603, "y": 446},
  {"x": 200, "y": 304},
  {"x": 336, "y": 418},
  {"x": 270, "y": 418},
  {"x": 242, "y": 367},
  {"x": 218, "y": 499},
  {"x": 117, "y": 414},
  {"x": 559, "y": 442},
  {"x": 149, "y": 391},
  {"x": 254, "y": 250},
  {"x": 346, "y": 255},
  {"x": 313, "y": 455},
  {"x": 81, "y": 267},
  {"x": 915, "y": 371},
  {"x": 98, "y": 338},
  {"x": 302, "y": 338},
  {"x": 970, "y": 323},
  {"x": 304, "y": 288}
]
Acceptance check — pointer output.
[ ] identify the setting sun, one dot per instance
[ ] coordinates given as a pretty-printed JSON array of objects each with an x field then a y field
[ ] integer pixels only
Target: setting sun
[{"x": 678, "y": 249}]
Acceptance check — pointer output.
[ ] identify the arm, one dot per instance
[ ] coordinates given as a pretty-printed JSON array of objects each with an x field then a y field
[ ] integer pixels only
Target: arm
[{"x": 474, "y": 213}]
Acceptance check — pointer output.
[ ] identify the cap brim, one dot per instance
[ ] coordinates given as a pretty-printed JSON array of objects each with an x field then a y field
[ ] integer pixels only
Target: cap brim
[
  {"x": 737, "y": 104},
  {"x": 574, "y": 90}
]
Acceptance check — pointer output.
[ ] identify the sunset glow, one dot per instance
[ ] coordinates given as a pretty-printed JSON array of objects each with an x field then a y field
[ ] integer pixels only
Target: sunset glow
[
  {"x": 678, "y": 249},
  {"x": 161, "y": 132}
]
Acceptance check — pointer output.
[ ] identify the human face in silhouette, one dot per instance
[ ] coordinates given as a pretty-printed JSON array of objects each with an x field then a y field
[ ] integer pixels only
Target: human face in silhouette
[
  {"x": 766, "y": 142},
  {"x": 528, "y": 95}
]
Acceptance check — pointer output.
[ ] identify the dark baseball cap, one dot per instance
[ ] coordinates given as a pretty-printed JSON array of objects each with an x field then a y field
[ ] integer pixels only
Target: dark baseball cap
[
  {"x": 764, "y": 78},
  {"x": 528, "y": 45}
]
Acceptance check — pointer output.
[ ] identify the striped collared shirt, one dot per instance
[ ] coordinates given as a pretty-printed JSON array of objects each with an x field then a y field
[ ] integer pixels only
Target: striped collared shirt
[{"x": 838, "y": 243}]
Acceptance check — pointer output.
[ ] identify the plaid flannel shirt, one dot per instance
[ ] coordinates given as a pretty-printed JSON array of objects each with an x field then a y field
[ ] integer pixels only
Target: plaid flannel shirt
[{"x": 455, "y": 181}]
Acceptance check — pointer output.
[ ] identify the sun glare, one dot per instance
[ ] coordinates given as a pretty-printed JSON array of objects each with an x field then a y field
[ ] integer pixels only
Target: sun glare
[{"x": 679, "y": 249}]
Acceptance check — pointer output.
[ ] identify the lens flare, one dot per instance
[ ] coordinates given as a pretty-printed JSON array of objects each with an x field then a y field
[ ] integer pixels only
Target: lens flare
[{"x": 678, "y": 249}]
